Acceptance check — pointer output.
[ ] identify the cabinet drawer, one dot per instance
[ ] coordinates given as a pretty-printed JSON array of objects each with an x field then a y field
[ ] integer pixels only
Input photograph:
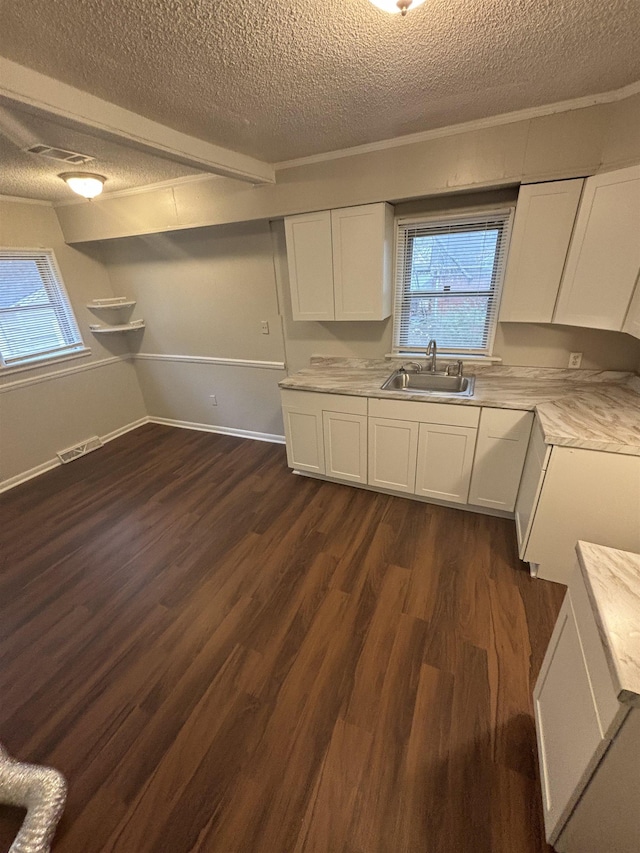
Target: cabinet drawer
[
  {"x": 431, "y": 413},
  {"x": 313, "y": 401}
]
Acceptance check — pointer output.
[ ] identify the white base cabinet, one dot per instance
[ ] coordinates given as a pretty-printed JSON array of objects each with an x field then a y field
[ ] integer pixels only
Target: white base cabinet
[
  {"x": 326, "y": 434},
  {"x": 345, "y": 446},
  {"x": 445, "y": 459},
  {"x": 503, "y": 437},
  {"x": 424, "y": 449},
  {"x": 570, "y": 493},
  {"x": 393, "y": 449},
  {"x": 580, "y": 725}
]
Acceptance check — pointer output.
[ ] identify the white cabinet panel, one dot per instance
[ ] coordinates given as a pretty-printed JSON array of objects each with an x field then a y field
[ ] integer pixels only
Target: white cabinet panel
[
  {"x": 632, "y": 320},
  {"x": 503, "y": 437},
  {"x": 303, "y": 433},
  {"x": 362, "y": 254},
  {"x": 589, "y": 495},
  {"x": 604, "y": 257},
  {"x": 539, "y": 243},
  {"x": 310, "y": 261},
  {"x": 535, "y": 466},
  {"x": 340, "y": 263},
  {"x": 393, "y": 447},
  {"x": 569, "y": 737},
  {"x": 345, "y": 446},
  {"x": 445, "y": 458}
]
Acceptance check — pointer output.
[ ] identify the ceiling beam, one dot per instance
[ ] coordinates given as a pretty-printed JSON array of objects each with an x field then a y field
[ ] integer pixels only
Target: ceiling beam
[{"x": 32, "y": 89}]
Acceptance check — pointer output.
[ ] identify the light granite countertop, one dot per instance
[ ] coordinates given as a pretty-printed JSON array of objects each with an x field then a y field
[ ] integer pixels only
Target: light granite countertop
[
  {"x": 597, "y": 410},
  {"x": 612, "y": 579}
]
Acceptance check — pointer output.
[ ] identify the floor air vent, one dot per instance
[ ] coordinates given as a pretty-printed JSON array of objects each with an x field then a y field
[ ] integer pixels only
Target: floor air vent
[
  {"x": 60, "y": 154},
  {"x": 82, "y": 449}
]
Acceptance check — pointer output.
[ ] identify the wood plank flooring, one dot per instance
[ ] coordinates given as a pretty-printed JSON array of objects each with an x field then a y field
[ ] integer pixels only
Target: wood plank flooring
[{"x": 222, "y": 656}]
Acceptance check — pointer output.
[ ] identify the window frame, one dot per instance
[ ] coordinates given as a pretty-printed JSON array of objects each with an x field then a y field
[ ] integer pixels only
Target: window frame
[
  {"x": 403, "y": 259},
  {"x": 58, "y": 301}
]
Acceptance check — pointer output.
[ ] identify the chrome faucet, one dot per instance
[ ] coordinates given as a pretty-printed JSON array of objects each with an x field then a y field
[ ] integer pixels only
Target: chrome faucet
[
  {"x": 432, "y": 351},
  {"x": 415, "y": 364}
]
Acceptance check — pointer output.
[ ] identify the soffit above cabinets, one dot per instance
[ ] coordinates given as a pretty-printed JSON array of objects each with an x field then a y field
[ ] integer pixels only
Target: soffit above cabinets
[{"x": 282, "y": 80}]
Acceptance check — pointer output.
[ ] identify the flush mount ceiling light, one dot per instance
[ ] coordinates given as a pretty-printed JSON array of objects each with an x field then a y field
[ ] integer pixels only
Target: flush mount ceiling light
[
  {"x": 85, "y": 184},
  {"x": 395, "y": 6}
]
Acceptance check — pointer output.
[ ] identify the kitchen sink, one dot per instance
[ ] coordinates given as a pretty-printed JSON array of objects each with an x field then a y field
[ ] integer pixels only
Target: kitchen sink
[{"x": 429, "y": 383}]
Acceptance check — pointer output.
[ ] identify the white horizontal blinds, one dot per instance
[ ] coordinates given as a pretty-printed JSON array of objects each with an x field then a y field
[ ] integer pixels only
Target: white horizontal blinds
[
  {"x": 449, "y": 277},
  {"x": 35, "y": 316}
]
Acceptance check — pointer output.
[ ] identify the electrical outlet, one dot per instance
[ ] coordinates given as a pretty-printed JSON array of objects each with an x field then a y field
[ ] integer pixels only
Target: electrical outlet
[
  {"x": 575, "y": 359},
  {"x": 212, "y": 397},
  {"x": 264, "y": 325}
]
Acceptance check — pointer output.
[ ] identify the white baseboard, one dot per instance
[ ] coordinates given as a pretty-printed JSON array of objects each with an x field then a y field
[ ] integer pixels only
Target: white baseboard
[
  {"x": 222, "y": 430},
  {"x": 12, "y": 482}
]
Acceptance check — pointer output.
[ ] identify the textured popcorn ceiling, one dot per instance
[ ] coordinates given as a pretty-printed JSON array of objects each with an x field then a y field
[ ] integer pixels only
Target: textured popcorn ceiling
[
  {"x": 280, "y": 79},
  {"x": 32, "y": 176}
]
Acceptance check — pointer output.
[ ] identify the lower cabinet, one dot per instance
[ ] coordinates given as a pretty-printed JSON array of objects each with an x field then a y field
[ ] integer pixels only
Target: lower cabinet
[
  {"x": 422, "y": 448},
  {"x": 393, "y": 448},
  {"x": 345, "y": 446},
  {"x": 578, "y": 717},
  {"x": 503, "y": 437},
  {"x": 426, "y": 449},
  {"x": 571, "y": 493},
  {"x": 326, "y": 434},
  {"x": 445, "y": 459}
]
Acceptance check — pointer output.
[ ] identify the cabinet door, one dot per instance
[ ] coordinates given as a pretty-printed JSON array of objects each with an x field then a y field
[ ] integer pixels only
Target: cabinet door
[
  {"x": 503, "y": 437},
  {"x": 539, "y": 243},
  {"x": 569, "y": 737},
  {"x": 632, "y": 321},
  {"x": 445, "y": 459},
  {"x": 533, "y": 474},
  {"x": 303, "y": 433},
  {"x": 362, "y": 253},
  {"x": 345, "y": 446},
  {"x": 604, "y": 257},
  {"x": 310, "y": 261},
  {"x": 393, "y": 446}
]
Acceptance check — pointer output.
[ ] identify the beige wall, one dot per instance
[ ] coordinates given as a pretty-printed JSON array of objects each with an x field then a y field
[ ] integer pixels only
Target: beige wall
[
  {"x": 203, "y": 294},
  {"x": 548, "y": 147},
  {"x": 38, "y": 418}
]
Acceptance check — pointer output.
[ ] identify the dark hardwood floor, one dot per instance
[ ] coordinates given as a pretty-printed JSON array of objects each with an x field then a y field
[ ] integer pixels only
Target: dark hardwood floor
[{"x": 221, "y": 656}]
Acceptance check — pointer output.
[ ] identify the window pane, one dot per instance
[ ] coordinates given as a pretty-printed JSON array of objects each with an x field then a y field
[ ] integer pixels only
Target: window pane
[
  {"x": 35, "y": 315},
  {"x": 44, "y": 332},
  {"x": 455, "y": 322},
  {"x": 448, "y": 279},
  {"x": 454, "y": 262}
]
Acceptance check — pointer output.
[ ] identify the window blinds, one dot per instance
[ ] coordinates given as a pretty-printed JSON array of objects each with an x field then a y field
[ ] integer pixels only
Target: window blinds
[
  {"x": 449, "y": 276},
  {"x": 36, "y": 319}
]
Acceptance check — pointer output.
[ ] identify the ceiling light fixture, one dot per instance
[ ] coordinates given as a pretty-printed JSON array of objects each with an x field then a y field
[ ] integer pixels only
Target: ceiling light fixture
[
  {"x": 85, "y": 184},
  {"x": 395, "y": 6}
]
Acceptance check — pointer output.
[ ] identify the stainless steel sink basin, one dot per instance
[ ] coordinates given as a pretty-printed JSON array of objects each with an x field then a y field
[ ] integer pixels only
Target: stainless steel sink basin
[{"x": 430, "y": 383}]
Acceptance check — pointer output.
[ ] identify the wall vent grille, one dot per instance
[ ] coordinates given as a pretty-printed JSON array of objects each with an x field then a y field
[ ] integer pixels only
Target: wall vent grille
[
  {"x": 79, "y": 450},
  {"x": 60, "y": 154}
]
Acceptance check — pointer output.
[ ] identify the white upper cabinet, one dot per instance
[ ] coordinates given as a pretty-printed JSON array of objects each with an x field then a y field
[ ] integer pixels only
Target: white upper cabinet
[
  {"x": 362, "y": 259},
  {"x": 604, "y": 256},
  {"x": 340, "y": 263},
  {"x": 310, "y": 260},
  {"x": 542, "y": 228}
]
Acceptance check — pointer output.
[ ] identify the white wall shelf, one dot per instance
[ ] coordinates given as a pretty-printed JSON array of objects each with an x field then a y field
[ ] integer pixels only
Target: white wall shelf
[
  {"x": 112, "y": 303},
  {"x": 133, "y": 326}
]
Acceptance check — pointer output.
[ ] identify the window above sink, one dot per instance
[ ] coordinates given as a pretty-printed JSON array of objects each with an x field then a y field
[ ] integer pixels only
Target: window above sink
[{"x": 449, "y": 273}]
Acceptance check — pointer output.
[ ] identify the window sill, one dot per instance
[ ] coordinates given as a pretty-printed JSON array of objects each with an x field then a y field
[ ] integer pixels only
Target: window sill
[{"x": 43, "y": 361}]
